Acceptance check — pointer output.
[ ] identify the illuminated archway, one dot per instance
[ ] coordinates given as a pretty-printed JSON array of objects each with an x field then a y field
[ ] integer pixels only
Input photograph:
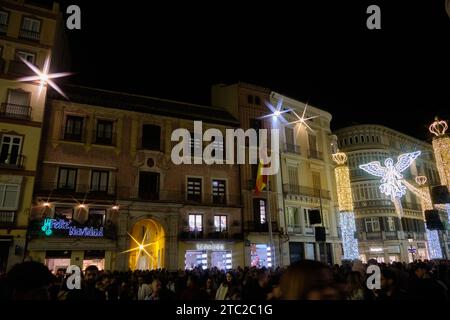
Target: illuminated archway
[{"x": 147, "y": 245}]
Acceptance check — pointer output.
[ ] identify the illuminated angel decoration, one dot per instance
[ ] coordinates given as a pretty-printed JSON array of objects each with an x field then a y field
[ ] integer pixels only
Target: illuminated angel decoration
[{"x": 391, "y": 184}]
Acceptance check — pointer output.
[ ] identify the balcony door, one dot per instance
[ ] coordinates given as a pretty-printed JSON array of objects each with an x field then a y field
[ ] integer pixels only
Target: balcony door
[
  {"x": 10, "y": 149},
  {"x": 18, "y": 103},
  {"x": 148, "y": 185}
]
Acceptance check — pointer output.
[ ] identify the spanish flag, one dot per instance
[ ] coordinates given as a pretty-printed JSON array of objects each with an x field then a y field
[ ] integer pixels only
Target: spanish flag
[{"x": 261, "y": 180}]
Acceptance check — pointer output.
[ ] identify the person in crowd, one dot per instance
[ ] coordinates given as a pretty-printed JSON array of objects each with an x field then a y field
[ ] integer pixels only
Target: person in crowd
[
  {"x": 309, "y": 280},
  {"x": 390, "y": 289},
  {"x": 209, "y": 289},
  {"x": 355, "y": 286},
  {"x": 227, "y": 283},
  {"x": 422, "y": 286},
  {"x": 258, "y": 289},
  {"x": 29, "y": 280},
  {"x": 155, "y": 290},
  {"x": 89, "y": 289},
  {"x": 144, "y": 289}
]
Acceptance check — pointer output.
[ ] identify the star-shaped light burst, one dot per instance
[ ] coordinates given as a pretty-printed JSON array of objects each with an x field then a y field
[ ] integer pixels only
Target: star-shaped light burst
[
  {"x": 277, "y": 112},
  {"x": 43, "y": 76},
  {"x": 302, "y": 120},
  {"x": 140, "y": 246}
]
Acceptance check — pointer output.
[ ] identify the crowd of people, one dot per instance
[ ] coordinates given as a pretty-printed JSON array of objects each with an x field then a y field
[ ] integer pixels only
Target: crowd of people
[{"x": 304, "y": 280}]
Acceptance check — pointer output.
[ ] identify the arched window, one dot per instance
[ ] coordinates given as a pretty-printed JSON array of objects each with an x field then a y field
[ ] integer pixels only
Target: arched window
[
  {"x": 356, "y": 139},
  {"x": 351, "y": 140}
]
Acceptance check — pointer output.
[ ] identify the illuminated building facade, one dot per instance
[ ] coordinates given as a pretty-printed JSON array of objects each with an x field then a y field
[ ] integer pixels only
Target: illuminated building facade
[
  {"x": 381, "y": 234},
  {"x": 246, "y": 102},
  {"x": 307, "y": 181},
  {"x": 112, "y": 196},
  {"x": 31, "y": 32}
]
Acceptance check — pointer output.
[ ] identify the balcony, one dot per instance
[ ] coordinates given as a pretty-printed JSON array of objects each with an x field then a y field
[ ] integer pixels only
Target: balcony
[
  {"x": 15, "y": 111},
  {"x": 374, "y": 236},
  {"x": 7, "y": 218},
  {"x": 18, "y": 68},
  {"x": 390, "y": 235},
  {"x": 3, "y": 28},
  {"x": 292, "y": 148},
  {"x": 211, "y": 235},
  {"x": 315, "y": 154},
  {"x": 292, "y": 189},
  {"x": 75, "y": 190},
  {"x": 294, "y": 229},
  {"x": 29, "y": 35},
  {"x": 254, "y": 226},
  {"x": 11, "y": 161},
  {"x": 411, "y": 206},
  {"x": 373, "y": 204}
]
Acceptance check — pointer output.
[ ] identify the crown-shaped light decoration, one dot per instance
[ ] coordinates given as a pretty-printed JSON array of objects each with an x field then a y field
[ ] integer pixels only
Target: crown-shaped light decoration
[
  {"x": 438, "y": 127},
  {"x": 340, "y": 158},
  {"x": 421, "y": 180}
]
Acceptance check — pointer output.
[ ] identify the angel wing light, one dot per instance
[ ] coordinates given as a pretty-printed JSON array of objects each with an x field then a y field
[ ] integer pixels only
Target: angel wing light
[{"x": 391, "y": 177}]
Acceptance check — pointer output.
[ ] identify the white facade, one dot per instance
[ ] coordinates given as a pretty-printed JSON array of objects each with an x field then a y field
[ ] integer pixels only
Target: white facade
[
  {"x": 307, "y": 182},
  {"x": 381, "y": 235}
]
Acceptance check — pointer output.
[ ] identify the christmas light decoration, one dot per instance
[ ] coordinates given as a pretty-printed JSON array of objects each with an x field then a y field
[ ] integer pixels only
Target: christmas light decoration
[
  {"x": 345, "y": 201},
  {"x": 434, "y": 247},
  {"x": 348, "y": 229},
  {"x": 276, "y": 112},
  {"x": 441, "y": 147},
  {"x": 301, "y": 120},
  {"x": 43, "y": 77}
]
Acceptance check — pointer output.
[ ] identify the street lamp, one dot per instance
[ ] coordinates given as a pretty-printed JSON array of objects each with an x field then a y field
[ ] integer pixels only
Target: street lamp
[{"x": 411, "y": 248}]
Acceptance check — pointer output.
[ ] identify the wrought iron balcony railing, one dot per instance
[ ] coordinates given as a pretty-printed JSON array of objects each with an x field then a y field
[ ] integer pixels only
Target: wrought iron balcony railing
[
  {"x": 15, "y": 111},
  {"x": 294, "y": 189},
  {"x": 292, "y": 148},
  {"x": 29, "y": 35},
  {"x": 11, "y": 160},
  {"x": 315, "y": 154}
]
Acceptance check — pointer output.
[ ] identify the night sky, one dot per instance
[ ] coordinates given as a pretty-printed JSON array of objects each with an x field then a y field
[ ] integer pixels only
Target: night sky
[{"x": 316, "y": 51}]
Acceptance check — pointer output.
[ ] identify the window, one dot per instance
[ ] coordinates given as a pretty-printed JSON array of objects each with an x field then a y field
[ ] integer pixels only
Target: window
[
  {"x": 195, "y": 223},
  {"x": 104, "y": 132},
  {"x": 316, "y": 181},
  {"x": 17, "y": 98},
  {"x": 219, "y": 145},
  {"x": 9, "y": 196},
  {"x": 372, "y": 224},
  {"x": 220, "y": 223},
  {"x": 99, "y": 181},
  {"x": 219, "y": 191},
  {"x": 10, "y": 150},
  {"x": 259, "y": 207},
  {"x": 96, "y": 218},
  {"x": 194, "y": 189},
  {"x": 30, "y": 57},
  {"x": 67, "y": 178},
  {"x": 351, "y": 140},
  {"x": 293, "y": 217},
  {"x": 250, "y": 99},
  {"x": 356, "y": 139},
  {"x": 30, "y": 24},
  {"x": 151, "y": 137},
  {"x": 293, "y": 176},
  {"x": 306, "y": 217},
  {"x": 289, "y": 132},
  {"x": 64, "y": 213},
  {"x": 3, "y": 22},
  {"x": 148, "y": 185},
  {"x": 257, "y": 100},
  {"x": 74, "y": 128}
]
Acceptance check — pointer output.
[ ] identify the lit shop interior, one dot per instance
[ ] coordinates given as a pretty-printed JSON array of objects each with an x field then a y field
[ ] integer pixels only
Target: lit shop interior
[{"x": 55, "y": 260}]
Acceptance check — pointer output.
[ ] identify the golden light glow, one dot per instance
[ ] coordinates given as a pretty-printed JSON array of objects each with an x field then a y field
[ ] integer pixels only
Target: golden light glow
[
  {"x": 148, "y": 253},
  {"x": 344, "y": 189},
  {"x": 46, "y": 204},
  {"x": 441, "y": 147},
  {"x": 421, "y": 180},
  {"x": 115, "y": 207},
  {"x": 340, "y": 158}
]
